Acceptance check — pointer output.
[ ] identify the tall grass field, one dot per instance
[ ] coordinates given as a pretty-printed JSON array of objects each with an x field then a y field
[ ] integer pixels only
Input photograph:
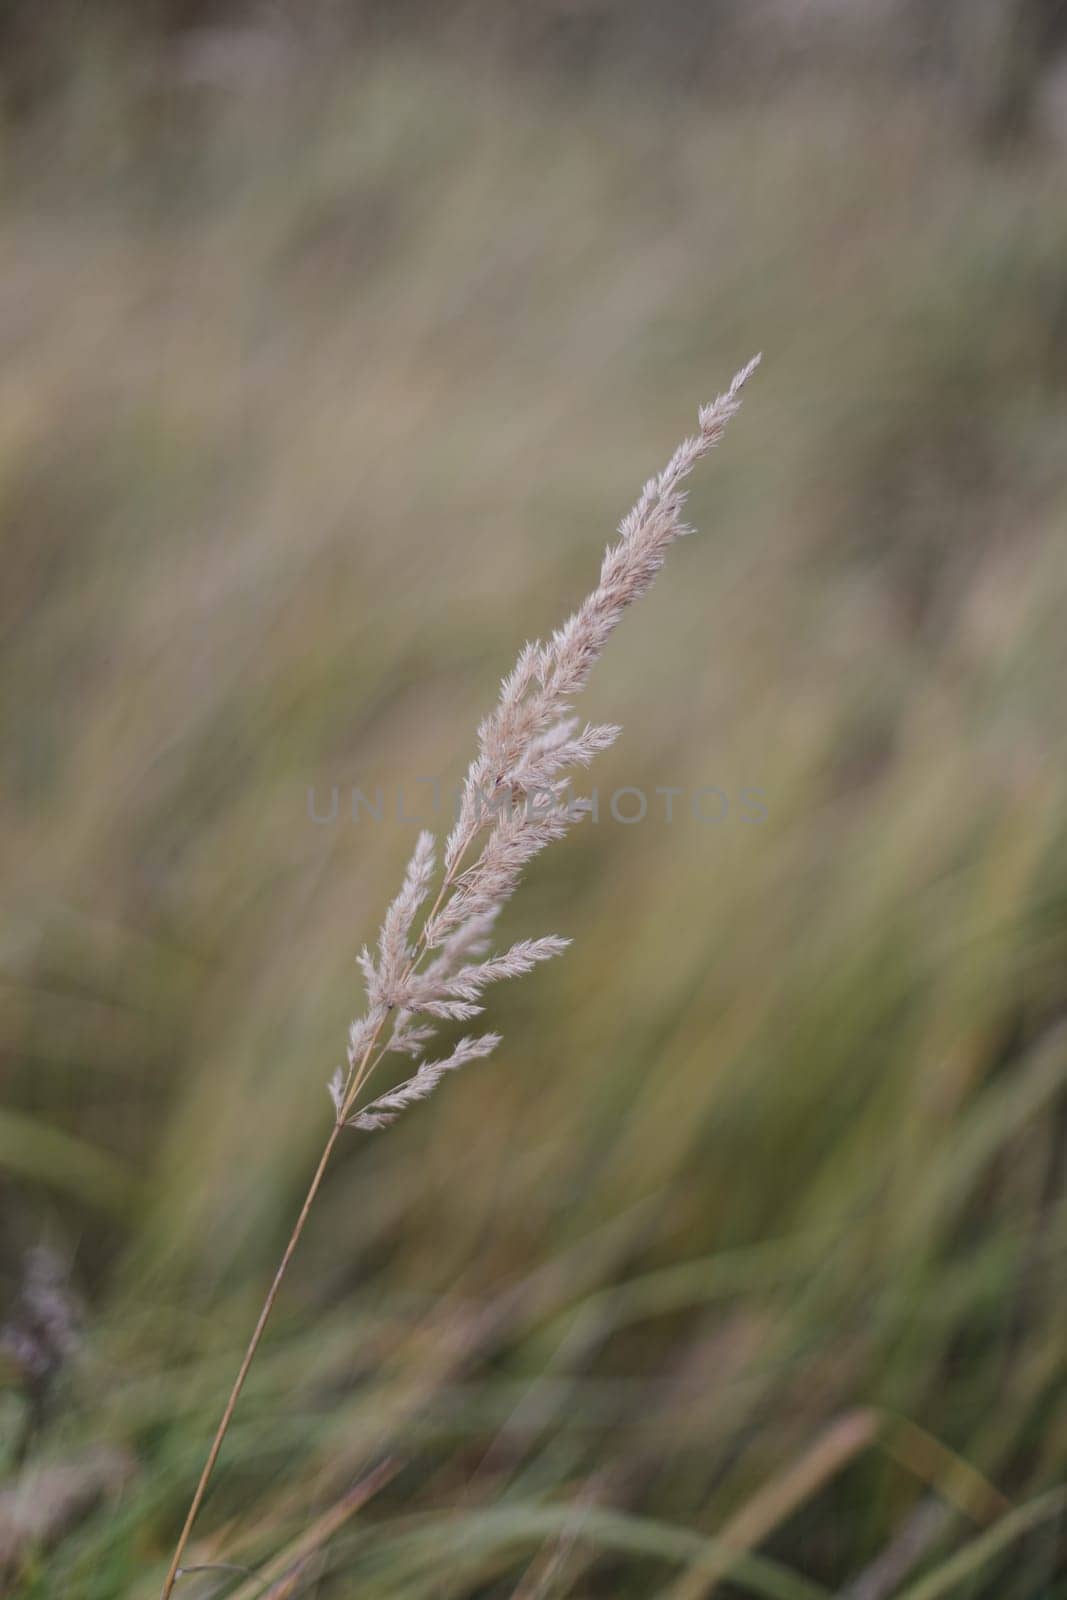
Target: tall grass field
[{"x": 739, "y": 1269}]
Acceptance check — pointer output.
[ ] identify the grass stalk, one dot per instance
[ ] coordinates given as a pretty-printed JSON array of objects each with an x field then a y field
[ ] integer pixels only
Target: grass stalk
[
  {"x": 174, "y": 1570},
  {"x": 516, "y": 799}
]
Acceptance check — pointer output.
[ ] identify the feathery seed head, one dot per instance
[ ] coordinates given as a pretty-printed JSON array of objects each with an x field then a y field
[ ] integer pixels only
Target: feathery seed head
[{"x": 514, "y": 803}]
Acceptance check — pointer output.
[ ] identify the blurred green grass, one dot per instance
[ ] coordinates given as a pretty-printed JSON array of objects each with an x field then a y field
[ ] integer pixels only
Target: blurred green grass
[{"x": 313, "y": 406}]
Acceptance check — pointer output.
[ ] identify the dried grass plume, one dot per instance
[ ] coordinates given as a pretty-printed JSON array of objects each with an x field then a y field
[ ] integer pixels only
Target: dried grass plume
[
  {"x": 433, "y": 966},
  {"x": 516, "y": 800}
]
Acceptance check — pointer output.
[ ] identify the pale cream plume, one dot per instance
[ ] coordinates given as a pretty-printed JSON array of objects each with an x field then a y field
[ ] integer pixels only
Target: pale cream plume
[{"x": 515, "y": 800}]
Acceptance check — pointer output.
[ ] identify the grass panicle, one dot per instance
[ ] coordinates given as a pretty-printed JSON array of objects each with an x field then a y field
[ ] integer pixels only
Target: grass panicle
[{"x": 516, "y": 800}]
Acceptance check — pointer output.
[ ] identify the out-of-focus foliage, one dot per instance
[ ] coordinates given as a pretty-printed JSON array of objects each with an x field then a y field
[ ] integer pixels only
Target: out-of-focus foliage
[
  {"x": 323, "y": 384},
  {"x": 992, "y": 59}
]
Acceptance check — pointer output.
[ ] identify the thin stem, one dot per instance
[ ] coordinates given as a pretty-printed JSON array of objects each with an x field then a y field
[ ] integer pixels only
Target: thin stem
[
  {"x": 253, "y": 1345},
  {"x": 359, "y": 1078}
]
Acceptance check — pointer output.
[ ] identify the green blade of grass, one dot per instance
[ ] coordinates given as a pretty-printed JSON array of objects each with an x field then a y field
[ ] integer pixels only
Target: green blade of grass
[
  {"x": 30, "y": 1149},
  {"x": 974, "y": 1556}
]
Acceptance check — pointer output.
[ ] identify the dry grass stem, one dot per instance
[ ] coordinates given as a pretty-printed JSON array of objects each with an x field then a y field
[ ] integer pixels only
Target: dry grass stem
[{"x": 516, "y": 800}]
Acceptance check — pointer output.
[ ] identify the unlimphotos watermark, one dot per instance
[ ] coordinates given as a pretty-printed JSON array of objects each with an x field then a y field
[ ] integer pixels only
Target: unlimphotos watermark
[{"x": 424, "y": 800}]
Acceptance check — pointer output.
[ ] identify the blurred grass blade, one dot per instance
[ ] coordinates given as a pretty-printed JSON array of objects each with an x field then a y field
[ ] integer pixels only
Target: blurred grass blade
[
  {"x": 279, "y": 1578},
  {"x": 620, "y": 1532},
  {"x": 974, "y": 1556},
  {"x": 847, "y": 1438},
  {"x": 955, "y": 1479},
  {"x": 31, "y": 1149}
]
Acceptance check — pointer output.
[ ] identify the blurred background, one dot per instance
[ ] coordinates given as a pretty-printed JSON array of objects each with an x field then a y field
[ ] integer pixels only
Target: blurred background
[{"x": 336, "y": 338}]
